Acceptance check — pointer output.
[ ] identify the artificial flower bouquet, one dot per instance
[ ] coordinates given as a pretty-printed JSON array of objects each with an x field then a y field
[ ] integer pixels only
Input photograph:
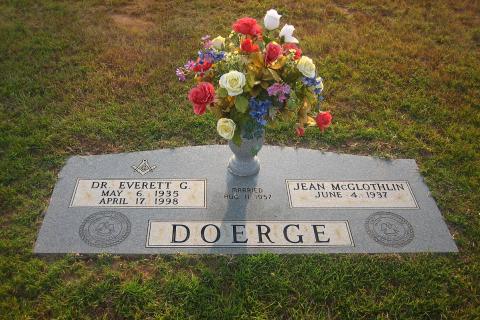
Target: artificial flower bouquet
[{"x": 254, "y": 78}]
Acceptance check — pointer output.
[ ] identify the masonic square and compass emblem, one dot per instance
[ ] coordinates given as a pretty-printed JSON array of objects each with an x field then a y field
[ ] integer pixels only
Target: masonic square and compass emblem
[{"x": 143, "y": 168}]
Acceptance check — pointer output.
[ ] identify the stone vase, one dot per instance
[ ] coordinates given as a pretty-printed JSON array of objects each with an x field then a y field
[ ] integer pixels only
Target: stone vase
[{"x": 244, "y": 161}]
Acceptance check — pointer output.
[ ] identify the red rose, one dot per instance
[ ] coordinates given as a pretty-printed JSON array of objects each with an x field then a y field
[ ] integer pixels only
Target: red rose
[
  {"x": 323, "y": 120},
  {"x": 272, "y": 52},
  {"x": 200, "y": 96},
  {"x": 292, "y": 46},
  {"x": 300, "y": 131},
  {"x": 247, "y": 26},
  {"x": 202, "y": 65},
  {"x": 248, "y": 46}
]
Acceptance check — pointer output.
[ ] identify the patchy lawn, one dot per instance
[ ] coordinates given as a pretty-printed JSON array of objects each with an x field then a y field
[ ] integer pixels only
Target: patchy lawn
[{"x": 401, "y": 78}]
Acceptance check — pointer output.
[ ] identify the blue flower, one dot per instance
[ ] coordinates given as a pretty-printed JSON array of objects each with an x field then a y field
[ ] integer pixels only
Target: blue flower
[
  {"x": 211, "y": 55},
  {"x": 259, "y": 109},
  {"x": 218, "y": 55},
  {"x": 316, "y": 84},
  {"x": 312, "y": 82}
]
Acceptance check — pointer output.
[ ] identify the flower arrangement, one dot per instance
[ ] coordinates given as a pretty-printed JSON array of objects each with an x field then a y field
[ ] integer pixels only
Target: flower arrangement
[{"x": 255, "y": 78}]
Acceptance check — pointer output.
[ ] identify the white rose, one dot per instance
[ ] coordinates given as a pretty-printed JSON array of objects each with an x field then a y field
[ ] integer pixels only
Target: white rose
[
  {"x": 233, "y": 82},
  {"x": 218, "y": 42},
  {"x": 287, "y": 30},
  {"x": 226, "y": 128},
  {"x": 271, "y": 20},
  {"x": 306, "y": 67},
  {"x": 287, "y": 34},
  {"x": 290, "y": 39}
]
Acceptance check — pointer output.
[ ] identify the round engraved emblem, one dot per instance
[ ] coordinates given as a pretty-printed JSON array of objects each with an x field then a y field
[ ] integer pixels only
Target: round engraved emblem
[
  {"x": 104, "y": 229},
  {"x": 389, "y": 229}
]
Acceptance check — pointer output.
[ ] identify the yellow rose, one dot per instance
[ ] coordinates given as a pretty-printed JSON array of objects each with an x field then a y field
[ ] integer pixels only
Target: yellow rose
[
  {"x": 306, "y": 67},
  {"x": 226, "y": 128},
  {"x": 234, "y": 81},
  {"x": 218, "y": 42}
]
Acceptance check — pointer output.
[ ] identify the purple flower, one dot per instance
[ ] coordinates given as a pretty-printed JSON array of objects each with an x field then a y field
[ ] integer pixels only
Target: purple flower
[
  {"x": 279, "y": 90},
  {"x": 189, "y": 65},
  {"x": 180, "y": 74},
  {"x": 208, "y": 44}
]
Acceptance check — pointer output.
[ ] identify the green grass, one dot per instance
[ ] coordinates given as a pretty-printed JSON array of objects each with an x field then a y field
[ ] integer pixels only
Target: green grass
[{"x": 401, "y": 78}]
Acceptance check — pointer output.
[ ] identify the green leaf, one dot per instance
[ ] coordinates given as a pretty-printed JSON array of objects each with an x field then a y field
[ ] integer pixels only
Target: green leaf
[
  {"x": 237, "y": 139},
  {"x": 275, "y": 75},
  {"x": 311, "y": 98},
  {"x": 255, "y": 91},
  {"x": 266, "y": 39},
  {"x": 292, "y": 102},
  {"x": 250, "y": 78},
  {"x": 241, "y": 103},
  {"x": 222, "y": 92}
]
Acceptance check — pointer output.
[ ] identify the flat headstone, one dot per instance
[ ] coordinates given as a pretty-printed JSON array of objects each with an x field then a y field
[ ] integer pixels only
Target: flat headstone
[{"x": 184, "y": 200}]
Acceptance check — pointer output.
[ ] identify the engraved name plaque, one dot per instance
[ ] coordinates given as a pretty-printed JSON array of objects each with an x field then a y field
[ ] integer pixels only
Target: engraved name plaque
[
  {"x": 140, "y": 193},
  {"x": 231, "y": 234},
  {"x": 350, "y": 194}
]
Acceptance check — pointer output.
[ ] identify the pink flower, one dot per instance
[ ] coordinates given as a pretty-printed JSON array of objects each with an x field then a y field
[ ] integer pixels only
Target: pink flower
[
  {"x": 292, "y": 46},
  {"x": 300, "y": 131},
  {"x": 202, "y": 65},
  {"x": 247, "y": 26},
  {"x": 323, "y": 120},
  {"x": 200, "y": 96},
  {"x": 248, "y": 46},
  {"x": 272, "y": 52}
]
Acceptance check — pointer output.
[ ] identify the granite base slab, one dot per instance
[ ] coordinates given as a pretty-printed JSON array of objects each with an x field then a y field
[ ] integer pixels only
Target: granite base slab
[{"x": 185, "y": 200}]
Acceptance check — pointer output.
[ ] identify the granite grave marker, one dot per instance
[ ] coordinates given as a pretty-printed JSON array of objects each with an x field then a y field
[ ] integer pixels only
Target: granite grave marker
[{"x": 184, "y": 200}]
